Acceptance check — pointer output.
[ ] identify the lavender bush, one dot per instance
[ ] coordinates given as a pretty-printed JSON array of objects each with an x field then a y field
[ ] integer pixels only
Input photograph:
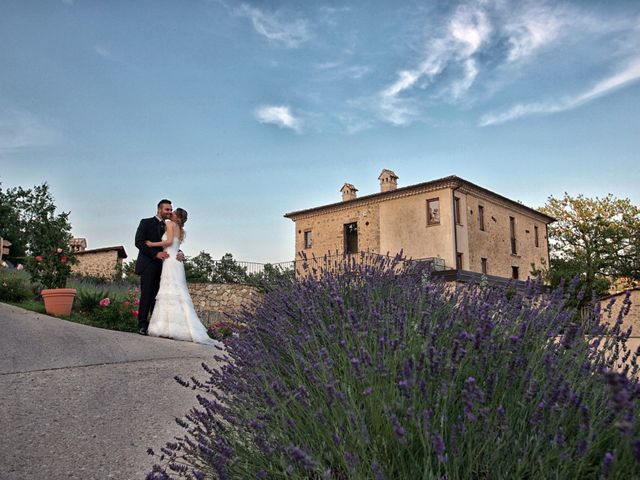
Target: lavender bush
[{"x": 375, "y": 373}]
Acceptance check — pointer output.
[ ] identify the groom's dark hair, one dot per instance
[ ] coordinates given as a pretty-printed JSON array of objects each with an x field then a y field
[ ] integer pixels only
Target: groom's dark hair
[{"x": 164, "y": 200}]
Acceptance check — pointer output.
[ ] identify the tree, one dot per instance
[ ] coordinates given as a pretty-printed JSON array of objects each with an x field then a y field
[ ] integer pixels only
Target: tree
[
  {"x": 203, "y": 269},
  {"x": 10, "y": 228},
  {"x": 199, "y": 269},
  {"x": 270, "y": 276},
  {"x": 39, "y": 233},
  {"x": 128, "y": 272},
  {"x": 37, "y": 222},
  {"x": 594, "y": 238},
  {"x": 227, "y": 270}
]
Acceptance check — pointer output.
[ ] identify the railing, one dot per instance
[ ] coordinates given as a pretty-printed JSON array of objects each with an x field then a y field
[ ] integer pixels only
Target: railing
[
  {"x": 337, "y": 262},
  {"x": 238, "y": 271},
  {"x": 250, "y": 268},
  {"x": 229, "y": 270}
]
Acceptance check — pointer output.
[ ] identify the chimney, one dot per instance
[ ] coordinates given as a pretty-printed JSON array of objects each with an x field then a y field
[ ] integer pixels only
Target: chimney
[
  {"x": 348, "y": 192},
  {"x": 78, "y": 244},
  {"x": 388, "y": 181}
]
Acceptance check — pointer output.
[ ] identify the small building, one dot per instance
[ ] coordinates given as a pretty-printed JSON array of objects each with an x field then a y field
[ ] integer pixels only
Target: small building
[
  {"x": 98, "y": 262},
  {"x": 461, "y": 225}
]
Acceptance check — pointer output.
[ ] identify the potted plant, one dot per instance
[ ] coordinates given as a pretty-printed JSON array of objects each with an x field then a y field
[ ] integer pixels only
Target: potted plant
[{"x": 51, "y": 270}]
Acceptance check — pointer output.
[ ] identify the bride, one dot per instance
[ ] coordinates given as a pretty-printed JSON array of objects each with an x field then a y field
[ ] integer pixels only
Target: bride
[{"x": 173, "y": 315}]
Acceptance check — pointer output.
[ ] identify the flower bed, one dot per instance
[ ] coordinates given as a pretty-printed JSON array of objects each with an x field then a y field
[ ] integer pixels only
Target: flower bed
[{"x": 225, "y": 330}]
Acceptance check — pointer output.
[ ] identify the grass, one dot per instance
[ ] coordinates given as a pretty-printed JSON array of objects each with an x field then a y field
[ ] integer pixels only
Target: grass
[{"x": 31, "y": 304}]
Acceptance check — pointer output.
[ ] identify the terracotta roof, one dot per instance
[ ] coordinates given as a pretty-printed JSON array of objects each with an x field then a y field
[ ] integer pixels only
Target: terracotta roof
[
  {"x": 120, "y": 249},
  {"x": 451, "y": 181}
]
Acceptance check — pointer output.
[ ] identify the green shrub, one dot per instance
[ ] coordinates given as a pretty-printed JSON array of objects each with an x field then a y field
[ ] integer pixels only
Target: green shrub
[
  {"x": 85, "y": 282},
  {"x": 88, "y": 300},
  {"x": 116, "y": 312},
  {"x": 14, "y": 286}
]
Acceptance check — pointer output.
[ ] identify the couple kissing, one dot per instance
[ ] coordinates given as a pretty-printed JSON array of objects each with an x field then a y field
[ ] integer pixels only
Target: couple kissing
[{"x": 164, "y": 295}]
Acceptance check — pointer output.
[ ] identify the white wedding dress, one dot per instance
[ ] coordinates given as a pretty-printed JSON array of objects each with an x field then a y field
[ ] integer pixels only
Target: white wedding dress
[{"x": 173, "y": 315}]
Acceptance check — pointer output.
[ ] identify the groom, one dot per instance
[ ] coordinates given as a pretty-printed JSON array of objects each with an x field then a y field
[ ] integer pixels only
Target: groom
[{"x": 149, "y": 262}]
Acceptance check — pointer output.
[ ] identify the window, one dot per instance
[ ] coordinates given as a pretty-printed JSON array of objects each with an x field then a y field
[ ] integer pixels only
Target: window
[
  {"x": 512, "y": 231},
  {"x": 456, "y": 210},
  {"x": 459, "y": 261},
  {"x": 481, "y": 217},
  {"x": 351, "y": 238},
  {"x": 308, "y": 239},
  {"x": 535, "y": 236},
  {"x": 515, "y": 273},
  {"x": 483, "y": 263},
  {"x": 433, "y": 211}
]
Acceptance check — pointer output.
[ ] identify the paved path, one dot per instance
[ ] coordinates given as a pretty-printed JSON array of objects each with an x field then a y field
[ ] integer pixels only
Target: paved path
[{"x": 79, "y": 402}]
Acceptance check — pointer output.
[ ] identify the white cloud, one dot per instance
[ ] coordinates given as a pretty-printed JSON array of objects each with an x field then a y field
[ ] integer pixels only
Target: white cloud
[
  {"x": 104, "y": 52},
  {"x": 328, "y": 15},
  {"x": 483, "y": 37},
  {"x": 354, "y": 123},
  {"x": 288, "y": 33},
  {"x": 336, "y": 70},
  {"x": 466, "y": 33},
  {"x": 278, "y": 115},
  {"x": 19, "y": 130},
  {"x": 470, "y": 28},
  {"x": 460, "y": 86},
  {"x": 327, "y": 65},
  {"x": 630, "y": 73},
  {"x": 533, "y": 28}
]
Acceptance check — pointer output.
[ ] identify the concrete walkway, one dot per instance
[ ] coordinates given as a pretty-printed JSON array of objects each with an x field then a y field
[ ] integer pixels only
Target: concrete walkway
[{"x": 78, "y": 402}]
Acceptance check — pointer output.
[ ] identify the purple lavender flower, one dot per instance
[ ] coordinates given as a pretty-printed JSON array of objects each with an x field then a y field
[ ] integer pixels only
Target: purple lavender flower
[
  {"x": 317, "y": 347},
  {"x": 607, "y": 461},
  {"x": 301, "y": 457},
  {"x": 377, "y": 471},
  {"x": 438, "y": 447}
]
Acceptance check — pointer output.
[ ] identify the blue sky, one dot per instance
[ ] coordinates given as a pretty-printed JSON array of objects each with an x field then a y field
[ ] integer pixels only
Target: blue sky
[{"x": 241, "y": 112}]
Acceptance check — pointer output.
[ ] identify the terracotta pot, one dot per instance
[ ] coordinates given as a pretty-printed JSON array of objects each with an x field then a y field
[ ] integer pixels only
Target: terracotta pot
[{"x": 58, "y": 301}]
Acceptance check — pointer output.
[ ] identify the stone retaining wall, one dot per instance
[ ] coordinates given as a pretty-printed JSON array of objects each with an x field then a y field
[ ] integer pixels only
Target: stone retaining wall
[{"x": 218, "y": 301}]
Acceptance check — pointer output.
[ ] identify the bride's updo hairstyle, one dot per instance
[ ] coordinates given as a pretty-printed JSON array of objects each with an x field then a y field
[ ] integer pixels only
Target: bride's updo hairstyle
[{"x": 181, "y": 217}]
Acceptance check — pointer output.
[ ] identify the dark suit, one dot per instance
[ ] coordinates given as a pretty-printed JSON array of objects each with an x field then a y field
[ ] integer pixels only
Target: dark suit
[{"x": 148, "y": 266}]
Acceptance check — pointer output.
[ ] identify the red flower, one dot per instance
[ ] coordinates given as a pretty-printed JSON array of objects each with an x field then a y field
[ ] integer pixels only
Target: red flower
[
  {"x": 126, "y": 303},
  {"x": 38, "y": 258},
  {"x": 135, "y": 313},
  {"x": 63, "y": 259}
]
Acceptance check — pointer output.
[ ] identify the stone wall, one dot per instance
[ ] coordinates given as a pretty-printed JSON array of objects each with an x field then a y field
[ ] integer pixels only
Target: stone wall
[
  {"x": 494, "y": 242},
  {"x": 101, "y": 264},
  {"x": 632, "y": 319},
  {"x": 217, "y": 301},
  {"x": 327, "y": 230}
]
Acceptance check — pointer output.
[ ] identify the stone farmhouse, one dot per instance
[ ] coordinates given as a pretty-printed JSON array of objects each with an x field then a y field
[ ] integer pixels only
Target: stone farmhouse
[
  {"x": 454, "y": 223},
  {"x": 98, "y": 262}
]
